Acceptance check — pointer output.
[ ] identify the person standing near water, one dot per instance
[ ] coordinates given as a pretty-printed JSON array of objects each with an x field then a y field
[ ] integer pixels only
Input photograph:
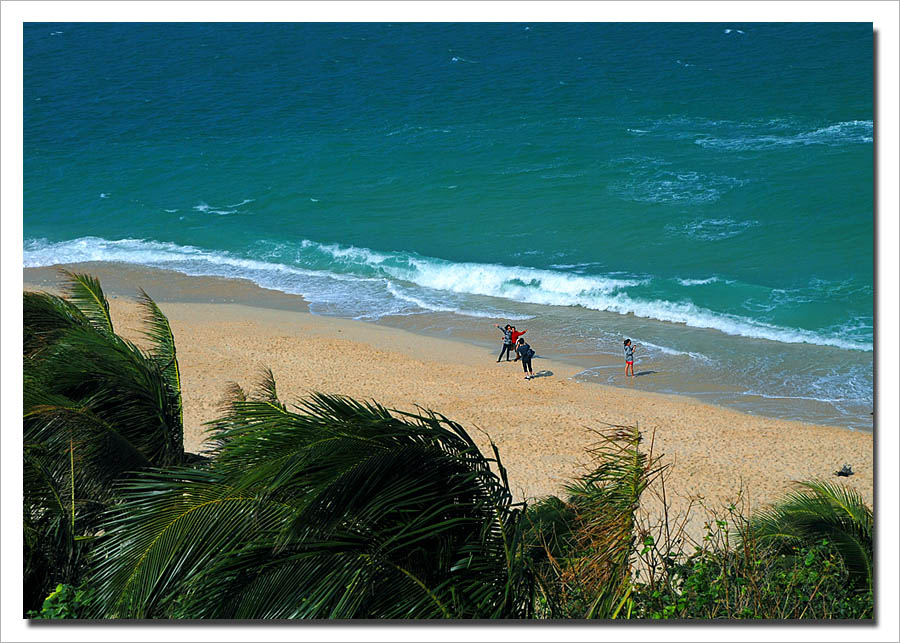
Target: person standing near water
[
  {"x": 629, "y": 357},
  {"x": 525, "y": 352},
  {"x": 507, "y": 341}
]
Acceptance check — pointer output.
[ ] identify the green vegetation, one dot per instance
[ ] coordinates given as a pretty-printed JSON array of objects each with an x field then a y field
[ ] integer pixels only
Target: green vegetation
[
  {"x": 343, "y": 509},
  {"x": 96, "y": 410},
  {"x": 739, "y": 571}
]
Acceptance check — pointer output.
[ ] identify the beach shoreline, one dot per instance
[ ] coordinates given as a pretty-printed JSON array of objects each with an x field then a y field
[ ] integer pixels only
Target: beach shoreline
[
  {"x": 591, "y": 366},
  {"x": 226, "y": 330}
]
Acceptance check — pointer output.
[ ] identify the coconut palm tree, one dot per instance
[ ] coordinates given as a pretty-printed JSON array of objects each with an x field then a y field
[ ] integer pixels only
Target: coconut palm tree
[
  {"x": 95, "y": 408},
  {"x": 820, "y": 510},
  {"x": 335, "y": 509}
]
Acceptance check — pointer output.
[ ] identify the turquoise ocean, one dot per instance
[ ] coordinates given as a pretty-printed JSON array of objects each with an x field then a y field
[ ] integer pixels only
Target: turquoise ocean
[{"x": 705, "y": 189}]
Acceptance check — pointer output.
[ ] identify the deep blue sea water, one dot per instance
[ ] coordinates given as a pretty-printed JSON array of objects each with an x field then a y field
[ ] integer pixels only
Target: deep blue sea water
[{"x": 705, "y": 189}]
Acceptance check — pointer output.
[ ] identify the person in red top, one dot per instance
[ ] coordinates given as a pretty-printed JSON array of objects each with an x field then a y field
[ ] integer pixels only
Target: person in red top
[{"x": 516, "y": 334}]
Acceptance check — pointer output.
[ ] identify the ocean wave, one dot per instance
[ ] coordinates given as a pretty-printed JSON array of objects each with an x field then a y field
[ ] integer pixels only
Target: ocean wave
[
  {"x": 40, "y": 252},
  {"x": 312, "y": 269},
  {"x": 712, "y": 229},
  {"x": 549, "y": 287},
  {"x": 439, "y": 308},
  {"x": 206, "y": 208},
  {"x": 672, "y": 351},
  {"x": 756, "y": 135},
  {"x": 843, "y": 133},
  {"x": 698, "y": 282},
  {"x": 652, "y": 180}
]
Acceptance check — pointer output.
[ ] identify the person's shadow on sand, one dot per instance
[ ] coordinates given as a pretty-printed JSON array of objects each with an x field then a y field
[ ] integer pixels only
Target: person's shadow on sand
[
  {"x": 644, "y": 373},
  {"x": 543, "y": 373}
]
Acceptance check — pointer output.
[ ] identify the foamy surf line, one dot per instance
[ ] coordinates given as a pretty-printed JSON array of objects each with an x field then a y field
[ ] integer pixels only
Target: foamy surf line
[
  {"x": 379, "y": 274},
  {"x": 315, "y": 286}
]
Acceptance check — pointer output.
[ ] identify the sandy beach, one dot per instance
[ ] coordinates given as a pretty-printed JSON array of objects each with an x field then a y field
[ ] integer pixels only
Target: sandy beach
[{"x": 226, "y": 330}]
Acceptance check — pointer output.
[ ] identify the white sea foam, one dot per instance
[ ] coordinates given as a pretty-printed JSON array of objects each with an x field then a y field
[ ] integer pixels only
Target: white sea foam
[
  {"x": 206, "y": 208},
  {"x": 756, "y": 135},
  {"x": 548, "y": 287},
  {"x": 793, "y": 397},
  {"x": 359, "y": 265},
  {"x": 576, "y": 267},
  {"x": 712, "y": 229},
  {"x": 698, "y": 282},
  {"x": 438, "y": 308},
  {"x": 671, "y": 351},
  {"x": 237, "y": 205},
  {"x": 654, "y": 180},
  {"x": 748, "y": 139}
]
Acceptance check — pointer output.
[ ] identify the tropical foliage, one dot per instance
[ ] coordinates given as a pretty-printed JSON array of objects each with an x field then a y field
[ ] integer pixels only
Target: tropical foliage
[
  {"x": 585, "y": 545},
  {"x": 738, "y": 571},
  {"x": 96, "y": 407},
  {"x": 338, "y": 509},
  {"x": 818, "y": 511}
]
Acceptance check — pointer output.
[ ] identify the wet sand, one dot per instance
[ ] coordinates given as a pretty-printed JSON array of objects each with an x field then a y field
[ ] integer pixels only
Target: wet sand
[{"x": 226, "y": 330}]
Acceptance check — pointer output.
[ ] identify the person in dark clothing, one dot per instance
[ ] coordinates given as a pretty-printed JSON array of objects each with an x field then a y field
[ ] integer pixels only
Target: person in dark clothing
[
  {"x": 507, "y": 341},
  {"x": 525, "y": 353}
]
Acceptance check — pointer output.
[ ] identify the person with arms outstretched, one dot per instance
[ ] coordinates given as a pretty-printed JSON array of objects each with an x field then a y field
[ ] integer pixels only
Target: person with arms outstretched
[{"x": 507, "y": 341}]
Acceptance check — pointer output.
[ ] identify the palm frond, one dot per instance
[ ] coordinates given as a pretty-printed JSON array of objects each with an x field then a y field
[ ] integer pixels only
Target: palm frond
[
  {"x": 119, "y": 384},
  {"x": 56, "y": 515},
  {"x": 310, "y": 514},
  {"x": 583, "y": 546},
  {"x": 820, "y": 510},
  {"x": 74, "y": 433},
  {"x": 44, "y": 318},
  {"x": 160, "y": 334},
  {"x": 85, "y": 293},
  {"x": 266, "y": 390},
  {"x": 166, "y": 533}
]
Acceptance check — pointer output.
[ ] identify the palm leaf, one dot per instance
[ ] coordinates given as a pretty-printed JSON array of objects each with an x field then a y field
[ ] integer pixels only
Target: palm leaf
[
  {"x": 44, "y": 318},
  {"x": 266, "y": 390},
  {"x": 311, "y": 514},
  {"x": 166, "y": 533},
  {"x": 588, "y": 540},
  {"x": 85, "y": 293},
  {"x": 120, "y": 384},
  {"x": 822, "y": 510},
  {"x": 159, "y": 332},
  {"x": 96, "y": 408}
]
